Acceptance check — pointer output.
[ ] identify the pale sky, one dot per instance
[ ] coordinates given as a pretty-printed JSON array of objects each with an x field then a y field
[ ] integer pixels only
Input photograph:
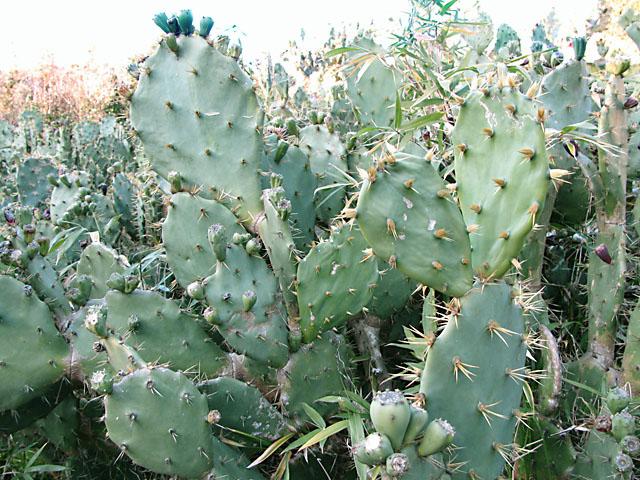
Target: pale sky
[{"x": 110, "y": 32}]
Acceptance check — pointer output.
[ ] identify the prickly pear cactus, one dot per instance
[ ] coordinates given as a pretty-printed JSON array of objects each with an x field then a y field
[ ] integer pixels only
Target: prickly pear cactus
[{"x": 479, "y": 358}]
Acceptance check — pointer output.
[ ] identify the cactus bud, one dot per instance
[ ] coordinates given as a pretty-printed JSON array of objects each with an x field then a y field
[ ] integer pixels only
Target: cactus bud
[
  {"x": 438, "y": 436},
  {"x": 172, "y": 42},
  {"x": 622, "y": 424},
  {"x": 185, "y": 21},
  {"x": 53, "y": 179},
  {"x": 96, "y": 321},
  {"x": 253, "y": 246},
  {"x": 240, "y": 238},
  {"x": 249, "y": 299},
  {"x": 161, "y": 20},
  {"x": 281, "y": 151},
  {"x": 130, "y": 283},
  {"x": 623, "y": 462},
  {"x": 618, "y": 398},
  {"x": 195, "y": 290},
  {"x": 206, "y": 24},
  {"x": 29, "y": 232},
  {"x": 603, "y": 253},
  {"x": 102, "y": 382},
  {"x": 218, "y": 240},
  {"x": 116, "y": 282},
  {"x": 210, "y": 314},
  {"x": 175, "y": 180}
]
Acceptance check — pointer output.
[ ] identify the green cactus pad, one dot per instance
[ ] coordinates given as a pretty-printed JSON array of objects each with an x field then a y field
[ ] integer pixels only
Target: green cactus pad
[
  {"x": 502, "y": 174},
  {"x": 39, "y": 407},
  {"x": 407, "y": 217},
  {"x": 82, "y": 341},
  {"x": 33, "y": 354},
  {"x": 477, "y": 359},
  {"x": 260, "y": 332},
  {"x": 243, "y": 408},
  {"x": 335, "y": 280},
  {"x": 64, "y": 196},
  {"x": 421, "y": 468},
  {"x": 98, "y": 262},
  {"x": 372, "y": 88},
  {"x": 299, "y": 184},
  {"x": 218, "y": 144},
  {"x": 391, "y": 293},
  {"x": 229, "y": 463},
  {"x": 32, "y": 183},
  {"x": 328, "y": 158},
  {"x": 159, "y": 331},
  {"x": 60, "y": 426},
  {"x": 184, "y": 234},
  {"x": 316, "y": 370},
  {"x": 598, "y": 457},
  {"x": 159, "y": 419}
]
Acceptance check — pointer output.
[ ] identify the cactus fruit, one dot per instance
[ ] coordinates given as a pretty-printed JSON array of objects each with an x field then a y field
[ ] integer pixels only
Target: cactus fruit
[
  {"x": 374, "y": 449},
  {"x": 391, "y": 414}
]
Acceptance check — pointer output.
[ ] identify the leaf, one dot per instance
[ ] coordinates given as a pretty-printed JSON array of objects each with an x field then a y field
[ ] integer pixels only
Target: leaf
[
  {"x": 428, "y": 102},
  {"x": 398, "y": 116},
  {"x": 313, "y": 414},
  {"x": 325, "y": 433},
  {"x": 356, "y": 433},
  {"x": 340, "y": 51},
  {"x": 300, "y": 441},
  {"x": 46, "y": 468},
  {"x": 271, "y": 450},
  {"x": 422, "y": 121}
]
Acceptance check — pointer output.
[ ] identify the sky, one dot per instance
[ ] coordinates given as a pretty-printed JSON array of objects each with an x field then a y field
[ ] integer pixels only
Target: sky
[{"x": 101, "y": 32}]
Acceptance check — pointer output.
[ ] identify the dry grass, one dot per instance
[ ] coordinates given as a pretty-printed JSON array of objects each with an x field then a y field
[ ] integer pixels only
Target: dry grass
[{"x": 79, "y": 92}]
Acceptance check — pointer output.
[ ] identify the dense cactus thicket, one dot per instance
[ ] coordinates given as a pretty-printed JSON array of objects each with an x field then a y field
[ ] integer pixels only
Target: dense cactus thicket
[{"x": 427, "y": 271}]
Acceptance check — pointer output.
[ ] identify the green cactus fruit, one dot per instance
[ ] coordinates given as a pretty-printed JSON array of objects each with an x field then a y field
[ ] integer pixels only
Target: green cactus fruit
[
  {"x": 243, "y": 408},
  {"x": 438, "y": 436},
  {"x": 622, "y": 424},
  {"x": 500, "y": 147},
  {"x": 417, "y": 424},
  {"x": 316, "y": 370},
  {"x": 218, "y": 241},
  {"x": 260, "y": 333},
  {"x": 159, "y": 331},
  {"x": 195, "y": 290},
  {"x": 391, "y": 414},
  {"x": 328, "y": 160},
  {"x": 206, "y": 24},
  {"x": 630, "y": 445},
  {"x": 219, "y": 145},
  {"x": 335, "y": 280},
  {"x": 618, "y": 399},
  {"x": 374, "y": 449},
  {"x": 31, "y": 181},
  {"x": 397, "y": 465},
  {"x": 478, "y": 357},
  {"x": 33, "y": 354},
  {"x": 395, "y": 204},
  {"x": 158, "y": 418},
  {"x": 185, "y": 235}
]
